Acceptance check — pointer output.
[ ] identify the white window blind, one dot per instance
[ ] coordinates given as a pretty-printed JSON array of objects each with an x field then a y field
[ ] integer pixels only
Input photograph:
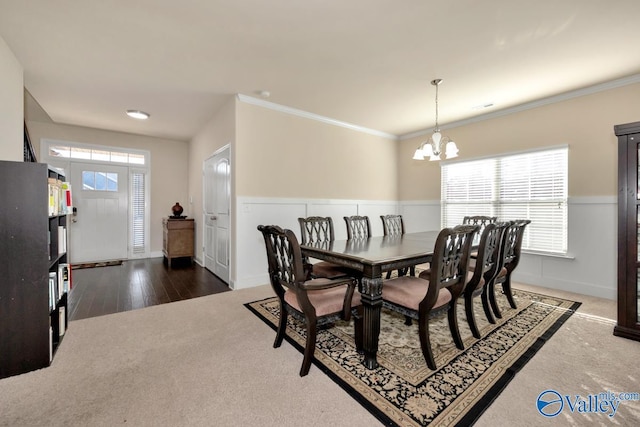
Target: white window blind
[
  {"x": 521, "y": 186},
  {"x": 138, "y": 207}
]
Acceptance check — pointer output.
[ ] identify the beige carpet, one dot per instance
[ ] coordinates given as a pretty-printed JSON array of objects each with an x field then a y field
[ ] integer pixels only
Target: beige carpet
[{"x": 207, "y": 361}]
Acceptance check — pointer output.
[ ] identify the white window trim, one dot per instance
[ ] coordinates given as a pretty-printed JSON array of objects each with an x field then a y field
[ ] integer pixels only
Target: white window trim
[{"x": 555, "y": 254}]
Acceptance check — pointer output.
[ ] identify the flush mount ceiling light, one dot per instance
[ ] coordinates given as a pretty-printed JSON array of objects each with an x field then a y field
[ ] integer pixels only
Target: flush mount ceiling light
[
  {"x": 433, "y": 147},
  {"x": 137, "y": 114}
]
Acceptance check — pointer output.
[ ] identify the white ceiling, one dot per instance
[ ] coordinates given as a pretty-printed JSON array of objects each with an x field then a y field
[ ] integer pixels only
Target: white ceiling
[{"x": 364, "y": 62}]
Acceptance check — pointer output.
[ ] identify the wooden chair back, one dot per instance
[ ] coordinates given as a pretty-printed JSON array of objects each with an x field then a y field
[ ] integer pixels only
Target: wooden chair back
[
  {"x": 449, "y": 263},
  {"x": 480, "y": 220},
  {"x": 358, "y": 227},
  {"x": 489, "y": 249},
  {"x": 512, "y": 244},
  {"x": 284, "y": 258},
  {"x": 316, "y": 230},
  {"x": 392, "y": 225}
]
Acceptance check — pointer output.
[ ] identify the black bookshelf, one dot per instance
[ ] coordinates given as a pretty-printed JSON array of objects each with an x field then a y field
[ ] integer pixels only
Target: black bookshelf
[{"x": 28, "y": 324}]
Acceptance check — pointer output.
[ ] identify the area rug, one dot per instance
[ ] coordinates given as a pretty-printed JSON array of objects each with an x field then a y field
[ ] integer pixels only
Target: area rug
[
  {"x": 96, "y": 264},
  {"x": 403, "y": 390}
]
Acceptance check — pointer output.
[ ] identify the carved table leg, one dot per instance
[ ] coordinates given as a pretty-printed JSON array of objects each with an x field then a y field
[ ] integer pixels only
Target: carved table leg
[{"x": 371, "y": 297}]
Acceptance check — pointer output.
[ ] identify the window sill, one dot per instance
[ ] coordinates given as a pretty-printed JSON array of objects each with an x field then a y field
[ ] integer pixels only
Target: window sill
[{"x": 549, "y": 254}]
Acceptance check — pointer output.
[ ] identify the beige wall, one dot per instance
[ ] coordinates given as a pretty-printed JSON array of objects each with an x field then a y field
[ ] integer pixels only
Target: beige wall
[
  {"x": 11, "y": 105},
  {"x": 169, "y": 161},
  {"x": 584, "y": 123},
  {"x": 282, "y": 155},
  {"x": 217, "y": 133}
]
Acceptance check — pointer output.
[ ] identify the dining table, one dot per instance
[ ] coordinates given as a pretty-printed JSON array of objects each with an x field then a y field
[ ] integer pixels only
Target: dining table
[{"x": 370, "y": 258}]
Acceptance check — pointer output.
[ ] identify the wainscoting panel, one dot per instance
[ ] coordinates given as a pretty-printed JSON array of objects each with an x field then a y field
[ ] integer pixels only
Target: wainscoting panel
[
  {"x": 589, "y": 268},
  {"x": 420, "y": 216},
  {"x": 337, "y": 210},
  {"x": 250, "y": 257}
]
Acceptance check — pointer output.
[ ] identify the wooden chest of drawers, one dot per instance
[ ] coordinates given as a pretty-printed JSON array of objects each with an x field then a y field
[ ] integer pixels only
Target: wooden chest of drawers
[{"x": 177, "y": 238}]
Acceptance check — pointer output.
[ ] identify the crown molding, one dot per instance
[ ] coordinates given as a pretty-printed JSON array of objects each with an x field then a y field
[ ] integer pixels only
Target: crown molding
[
  {"x": 300, "y": 113},
  {"x": 488, "y": 116},
  {"x": 530, "y": 105}
]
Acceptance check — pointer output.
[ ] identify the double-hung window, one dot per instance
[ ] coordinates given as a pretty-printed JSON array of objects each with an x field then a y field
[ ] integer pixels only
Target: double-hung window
[{"x": 531, "y": 185}]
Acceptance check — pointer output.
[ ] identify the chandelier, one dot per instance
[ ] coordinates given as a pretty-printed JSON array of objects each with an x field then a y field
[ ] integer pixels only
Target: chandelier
[{"x": 433, "y": 147}]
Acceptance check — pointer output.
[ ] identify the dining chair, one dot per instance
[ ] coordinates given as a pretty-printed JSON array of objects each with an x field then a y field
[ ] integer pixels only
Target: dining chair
[
  {"x": 482, "y": 221},
  {"x": 509, "y": 258},
  {"x": 484, "y": 269},
  {"x": 358, "y": 227},
  {"x": 393, "y": 225},
  {"x": 313, "y": 302},
  {"x": 435, "y": 290},
  {"x": 318, "y": 231}
]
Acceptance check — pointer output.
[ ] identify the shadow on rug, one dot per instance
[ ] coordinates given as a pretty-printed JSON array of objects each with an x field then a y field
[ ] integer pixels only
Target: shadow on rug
[{"x": 403, "y": 390}]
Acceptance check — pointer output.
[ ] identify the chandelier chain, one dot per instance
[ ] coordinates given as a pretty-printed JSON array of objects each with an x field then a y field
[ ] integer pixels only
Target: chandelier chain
[{"x": 437, "y": 129}]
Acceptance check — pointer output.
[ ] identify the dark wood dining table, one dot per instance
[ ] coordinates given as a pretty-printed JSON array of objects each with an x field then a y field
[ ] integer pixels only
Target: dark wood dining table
[{"x": 372, "y": 257}]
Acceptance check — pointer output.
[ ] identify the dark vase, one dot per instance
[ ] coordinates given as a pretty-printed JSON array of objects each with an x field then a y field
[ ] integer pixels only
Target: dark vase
[{"x": 177, "y": 210}]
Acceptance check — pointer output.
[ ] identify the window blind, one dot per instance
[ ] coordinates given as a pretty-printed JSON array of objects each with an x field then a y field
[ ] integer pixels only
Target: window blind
[
  {"x": 521, "y": 186},
  {"x": 138, "y": 207}
]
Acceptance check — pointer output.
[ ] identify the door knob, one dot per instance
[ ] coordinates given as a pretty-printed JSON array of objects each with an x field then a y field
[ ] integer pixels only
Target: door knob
[{"x": 213, "y": 218}]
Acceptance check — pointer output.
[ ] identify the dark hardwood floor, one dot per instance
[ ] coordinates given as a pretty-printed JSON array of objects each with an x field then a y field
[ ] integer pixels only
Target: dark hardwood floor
[{"x": 137, "y": 284}]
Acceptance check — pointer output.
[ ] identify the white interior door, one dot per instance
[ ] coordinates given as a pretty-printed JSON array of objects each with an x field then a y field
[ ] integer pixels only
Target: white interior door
[
  {"x": 99, "y": 228},
  {"x": 217, "y": 195}
]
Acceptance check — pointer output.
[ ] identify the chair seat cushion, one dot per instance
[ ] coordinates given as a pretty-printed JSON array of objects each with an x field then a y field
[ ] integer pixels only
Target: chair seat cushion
[
  {"x": 328, "y": 270},
  {"x": 426, "y": 275},
  {"x": 325, "y": 301},
  {"x": 409, "y": 291}
]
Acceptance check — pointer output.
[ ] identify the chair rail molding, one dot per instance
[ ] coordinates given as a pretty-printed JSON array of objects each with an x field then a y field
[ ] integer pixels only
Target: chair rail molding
[{"x": 590, "y": 267}]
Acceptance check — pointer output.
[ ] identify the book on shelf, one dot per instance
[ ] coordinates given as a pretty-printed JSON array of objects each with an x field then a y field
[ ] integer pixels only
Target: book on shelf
[
  {"x": 60, "y": 197},
  {"x": 50, "y": 341},
  {"x": 53, "y": 290},
  {"x": 62, "y": 239},
  {"x": 64, "y": 278},
  {"x": 61, "y": 320},
  {"x": 54, "y": 196},
  {"x": 67, "y": 198}
]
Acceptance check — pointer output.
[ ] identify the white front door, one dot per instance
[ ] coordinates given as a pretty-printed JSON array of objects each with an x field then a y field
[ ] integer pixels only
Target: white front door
[
  {"x": 99, "y": 228},
  {"x": 217, "y": 194}
]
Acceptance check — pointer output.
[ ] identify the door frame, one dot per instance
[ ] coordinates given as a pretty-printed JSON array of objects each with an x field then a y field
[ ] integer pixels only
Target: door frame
[{"x": 65, "y": 164}]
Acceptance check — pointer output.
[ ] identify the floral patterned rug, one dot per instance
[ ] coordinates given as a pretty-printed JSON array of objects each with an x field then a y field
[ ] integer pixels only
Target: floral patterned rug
[{"x": 403, "y": 390}]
